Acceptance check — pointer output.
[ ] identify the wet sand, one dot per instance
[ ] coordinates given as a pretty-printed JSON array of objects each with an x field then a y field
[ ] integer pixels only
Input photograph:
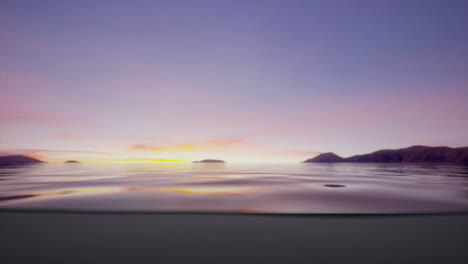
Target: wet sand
[{"x": 38, "y": 237}]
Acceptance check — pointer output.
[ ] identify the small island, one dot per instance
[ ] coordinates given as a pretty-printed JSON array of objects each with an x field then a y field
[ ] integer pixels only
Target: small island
[
  {"x": 16, "y": 160},
  {"x": 326, "y": 157},
  {"x": 72, "y": 161},
  {"x": 411, "y": 154},
  {"x": 209, "y": 161}
]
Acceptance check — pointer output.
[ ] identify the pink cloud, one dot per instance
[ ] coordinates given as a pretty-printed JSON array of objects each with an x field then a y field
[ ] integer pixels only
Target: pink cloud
[
  {"x": 20, "y": 79},
  {"x": 41, "y": 153},
  {"x": 73, "y": 137},
  {"x": 103, "y": 137},
  {"x": 284, "y": 154},
  {"x": 325, "y": 117},
  {"x": 296, "y": 153},
  {"x": 211, "y": 145},
  {"x": 13, "y": 109},
  {"x": 15, "y": 41},
  {"x": 38, "y": 118}
]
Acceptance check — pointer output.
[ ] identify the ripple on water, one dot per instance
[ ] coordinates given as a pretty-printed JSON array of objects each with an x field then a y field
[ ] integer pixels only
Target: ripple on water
[
  {"x": 287, "y": 188},
  {"x": 334, "y": 185}
]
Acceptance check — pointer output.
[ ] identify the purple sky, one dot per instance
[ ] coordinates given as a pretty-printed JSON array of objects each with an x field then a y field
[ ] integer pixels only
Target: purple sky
[{"x": 237, "y": 80}]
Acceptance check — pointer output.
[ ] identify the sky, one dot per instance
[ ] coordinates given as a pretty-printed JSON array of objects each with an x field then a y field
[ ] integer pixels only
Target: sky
[{"x": 244, "y": 81}]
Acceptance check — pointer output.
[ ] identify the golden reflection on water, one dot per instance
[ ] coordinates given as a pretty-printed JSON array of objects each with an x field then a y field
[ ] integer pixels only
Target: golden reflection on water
[
  {"x": 207, "y": 178},
  {"x": 209, "y": 190},
  {"x": 74, "y": 178},
  {"x": 308, "y": 188}
]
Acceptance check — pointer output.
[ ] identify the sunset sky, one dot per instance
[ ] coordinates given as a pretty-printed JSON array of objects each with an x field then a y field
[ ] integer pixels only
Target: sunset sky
[{"x": 244, "y": 81}]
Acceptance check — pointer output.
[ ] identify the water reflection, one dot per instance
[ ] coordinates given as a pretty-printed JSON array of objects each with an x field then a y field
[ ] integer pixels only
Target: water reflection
[
  {"x": 334, "y": 185},
  {"x": 17, "y": 197},
  {"x": 215, "y": 166},
  {"x": 273, "y": 188},
  {"x": 61, "y": 193},
  {"x": 208, "y": 190}
]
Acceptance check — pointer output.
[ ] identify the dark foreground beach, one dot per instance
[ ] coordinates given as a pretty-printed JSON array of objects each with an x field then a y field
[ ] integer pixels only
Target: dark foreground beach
[{"x": 41, "y": 237}]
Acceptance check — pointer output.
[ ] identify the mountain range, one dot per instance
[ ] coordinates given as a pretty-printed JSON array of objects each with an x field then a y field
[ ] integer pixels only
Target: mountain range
[{"x": 410, "y": 154}]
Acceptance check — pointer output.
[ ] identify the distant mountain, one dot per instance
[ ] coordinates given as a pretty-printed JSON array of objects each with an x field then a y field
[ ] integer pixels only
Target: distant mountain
[
  {"x": 18, "y": 160},
  {"x": 410, "y": 154},
  {"x": 209, "y": 161},
  {"x": 326, "y": 157},
  {"x": 72, "y": 161}
]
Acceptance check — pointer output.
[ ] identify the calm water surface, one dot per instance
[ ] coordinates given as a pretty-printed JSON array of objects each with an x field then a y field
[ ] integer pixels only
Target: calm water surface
[{"x": 247, "y": 188}]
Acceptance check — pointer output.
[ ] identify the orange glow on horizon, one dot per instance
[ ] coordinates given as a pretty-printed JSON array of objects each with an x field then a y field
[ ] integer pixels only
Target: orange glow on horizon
[
  {"x": 180, "y": 147},
  {"x": 148, "y": 160}
]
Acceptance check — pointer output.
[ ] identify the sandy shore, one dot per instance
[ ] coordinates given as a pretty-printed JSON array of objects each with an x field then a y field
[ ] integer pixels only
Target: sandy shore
[{"x": 187, "y": 238}]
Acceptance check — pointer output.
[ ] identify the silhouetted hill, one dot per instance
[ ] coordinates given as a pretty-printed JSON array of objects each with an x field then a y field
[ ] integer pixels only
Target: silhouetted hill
[
  {"x": 17, "y": 160},
  {"x": 326, "y": 157},
  {"x": 209, "y": 161},
  {"x": 72, "y": 161},
  {"x": 410, "y": 154}
]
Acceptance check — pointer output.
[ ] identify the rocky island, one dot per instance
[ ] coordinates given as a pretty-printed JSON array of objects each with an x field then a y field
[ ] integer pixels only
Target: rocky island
[
  {"x": 72, "y": 161},
  {"x": 410, "y": 154},
  {"x": 15, "y": 160},
  {"x": 326, "y": 157},
  {"x": 209, "y": 161}
]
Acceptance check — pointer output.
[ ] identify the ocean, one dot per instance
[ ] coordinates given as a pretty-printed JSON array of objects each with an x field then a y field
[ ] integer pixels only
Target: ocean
[{"x": 303, "y": 188}]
